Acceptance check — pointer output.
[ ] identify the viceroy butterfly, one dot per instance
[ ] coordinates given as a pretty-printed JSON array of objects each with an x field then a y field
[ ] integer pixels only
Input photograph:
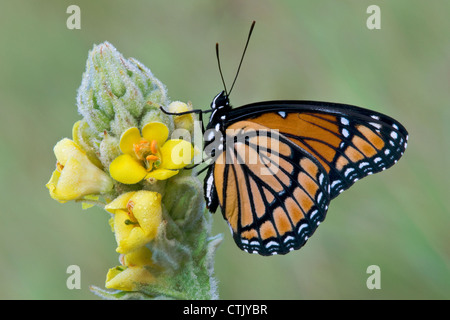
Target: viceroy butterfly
[{"x": 321, "y": 150}]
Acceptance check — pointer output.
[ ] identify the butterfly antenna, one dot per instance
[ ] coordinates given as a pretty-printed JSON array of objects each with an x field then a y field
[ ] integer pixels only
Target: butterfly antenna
[
  {"x": 220, "y": 69},
  {"x": 243, "y": 54}
]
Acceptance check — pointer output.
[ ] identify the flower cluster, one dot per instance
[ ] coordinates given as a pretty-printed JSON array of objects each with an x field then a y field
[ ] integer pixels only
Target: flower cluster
[
  {"x": 136, "y": 218},
  {"x": 122, "y": 159}
]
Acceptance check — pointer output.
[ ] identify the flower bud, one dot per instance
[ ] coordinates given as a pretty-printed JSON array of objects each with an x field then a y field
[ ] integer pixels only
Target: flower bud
[
  {"x": 115, "y": 92},
  {"x": 185, "y": 121},
  {"x": 128, "y": 278}
]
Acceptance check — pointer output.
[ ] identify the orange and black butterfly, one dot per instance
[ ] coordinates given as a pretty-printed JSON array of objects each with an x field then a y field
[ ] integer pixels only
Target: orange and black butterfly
[
  {"x": 277, "y": 164},
  {"x": 322, "y": 149}
]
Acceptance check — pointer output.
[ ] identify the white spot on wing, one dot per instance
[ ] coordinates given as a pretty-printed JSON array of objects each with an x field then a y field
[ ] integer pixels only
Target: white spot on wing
[
  {"x": 321, "y": 178},
  {"x": 376, "y": 125},
  {"x": 363, "y": 164},
  {"x": 302, "y": 227},
  {"x": 289, "y": 238},
  {"x": 210, "y": 136},
  {"x": 209, "y": 184},
  {"x": 319, "y": 197},
  {"x": 345, "y": 133},
  {"x": 348, "y": 171},
  {"x": 335, "y": 183},
  {"x": 282, "y": 114},
  {"x": 271, "y": 244}
]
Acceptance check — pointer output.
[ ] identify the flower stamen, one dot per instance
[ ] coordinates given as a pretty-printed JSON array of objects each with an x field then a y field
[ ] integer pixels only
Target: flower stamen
[
  {"x": 130, "y": 206},
  {"x": 154, "y": 147},
  {"x": 128, "y": 222},
  {"x": 152, "y": 157},
  {"x": 59, "y": 166},
  {"x": 141, "y": 149}
]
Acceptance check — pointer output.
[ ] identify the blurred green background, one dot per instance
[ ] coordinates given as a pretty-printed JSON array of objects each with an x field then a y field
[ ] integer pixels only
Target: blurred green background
[{"x": 311, "y": 50}]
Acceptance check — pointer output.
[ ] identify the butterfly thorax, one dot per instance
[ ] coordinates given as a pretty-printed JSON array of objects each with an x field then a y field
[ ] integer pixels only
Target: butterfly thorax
[
  {"x": 215, "y": 130},
  {"x": 220, "y": 107}
]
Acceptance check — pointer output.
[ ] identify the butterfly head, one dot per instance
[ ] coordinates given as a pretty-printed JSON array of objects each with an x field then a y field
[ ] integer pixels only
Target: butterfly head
[{"x": 220, "y": 101}]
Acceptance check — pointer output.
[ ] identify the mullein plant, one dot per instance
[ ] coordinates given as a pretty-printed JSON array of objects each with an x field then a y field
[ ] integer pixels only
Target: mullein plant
[{"x": 123, "y": 157}]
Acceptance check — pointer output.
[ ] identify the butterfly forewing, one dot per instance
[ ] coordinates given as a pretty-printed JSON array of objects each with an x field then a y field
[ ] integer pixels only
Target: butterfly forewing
[{"x": 348, "y": 141}]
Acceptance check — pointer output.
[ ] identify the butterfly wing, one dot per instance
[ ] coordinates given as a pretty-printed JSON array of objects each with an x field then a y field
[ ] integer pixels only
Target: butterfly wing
[
  {"x": 323, "y": 148},
  {"x": 272, "y": 192},
  {"x": 349, "y": 142}
]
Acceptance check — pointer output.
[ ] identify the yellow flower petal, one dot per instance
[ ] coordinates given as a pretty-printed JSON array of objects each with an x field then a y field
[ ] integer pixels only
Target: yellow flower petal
[
  {"x": 75, "y": 132},
  {"x": 119, "y": 203},
  {"x": 134, "y": 240},
  {"x": 52, "y": 183},
  {"x": 66, "y": 149},
  {"x": 112, "y": 273},
  {"x": 128, "y": 279},
  {"x": 77, "y": 136},
  {"x": 128, "y": 236},
  {"x": 176, "y": 154},
  {"x": 178, "y": 107},
  {"x": 147, "y": 211},
  {"x": 161, "y": 174},
  {"x": 185, "y": 121},
  {"x": 156, "y": 131},
  {"x": 128, "y": 139},
  {"x": 126, "y": 169},
  {"x": 139, "y": 257},
  {"x": 86, "y": 205},
  {"x": 111, "y": 223}
]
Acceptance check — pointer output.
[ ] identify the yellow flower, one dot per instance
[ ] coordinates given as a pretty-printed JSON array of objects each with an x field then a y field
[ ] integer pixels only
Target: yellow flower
[
  {"x": 139, "y": 257},
  {"x": 132, "y": 274},
  {"x": 137, "y": 216},
  {"x": 76, "y": 177},
  {"x": 150, "y": 156},
  {"x": 185, "y": 121}
]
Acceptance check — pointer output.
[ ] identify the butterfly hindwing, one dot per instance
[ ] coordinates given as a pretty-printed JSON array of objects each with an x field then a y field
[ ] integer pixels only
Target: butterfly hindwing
[{"x": 273, "y": 193}]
